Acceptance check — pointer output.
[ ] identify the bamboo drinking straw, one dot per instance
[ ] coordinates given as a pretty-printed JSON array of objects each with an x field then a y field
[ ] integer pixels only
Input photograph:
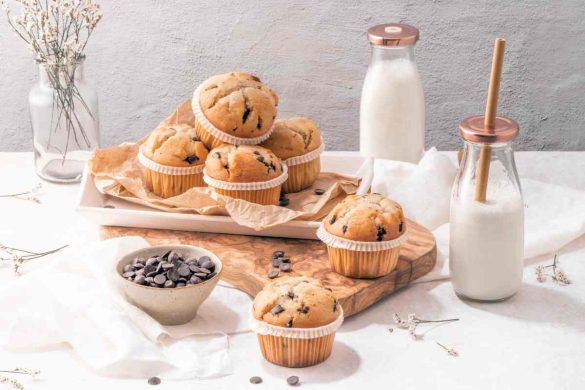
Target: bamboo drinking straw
[{"x": 483, "y": 168}]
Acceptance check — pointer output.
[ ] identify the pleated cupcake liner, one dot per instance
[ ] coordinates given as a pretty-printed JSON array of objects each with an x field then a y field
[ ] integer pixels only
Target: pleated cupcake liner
[
  {"x": 216, "y": 133},
  {"x": 363, "y": 265},
  {"x": 302, "y": 176}
]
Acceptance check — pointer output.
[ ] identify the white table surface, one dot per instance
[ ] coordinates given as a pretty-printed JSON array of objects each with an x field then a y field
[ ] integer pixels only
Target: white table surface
[{"x": 535, "y": 340}]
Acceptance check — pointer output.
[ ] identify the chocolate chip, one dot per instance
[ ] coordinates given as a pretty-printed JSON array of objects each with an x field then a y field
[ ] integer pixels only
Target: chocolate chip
[
  {"x": 128, "y": 268},
  {"x": 255, "y": 380},
  {"x": 217, "y": 155},
  {"x": 400, "y": 227},
  {"x": 334, "y": 305},
  {"x": 173, "y": 275},
  {"x": 153, "y": 285},
  {"x": 272, "y": 274},
  {"x": 180, "y": 285},
  {"x": 167, "y": 265},
  {"x": 381, "y": 232},
  {"x": 292, "y": 380},
  {"x": 173, "y": 256},
  {"x": 138, "y": 266},
  {"x": 305, "y": 309},
  {"x": 191, "y": 159},
  {"x": 344, "y": 228},
  {"x": 128, "y": 274},
  {"x": 184, "y": 270},
  {"x": 149, "y": 280},
  {"x": 332, "y": 220},
  {"x": 194, "y": 267},
  {"x": 151, "y": 261},
  {"x": 211, "y": 275},
  {"x": 283, "y": 202},
  {"x": 195, "y": 139},
  {"x": 160, "y": 279},
  {"x": 245, "y": 116},
  {"x": 319, "y": 191},
  {"x": 257, "y": 153},
  {"x": 276, "y": 262},
  {"x": 169, "y": 284},
  {"x": 291, "y": 295},
  {"x": 207, "y": 264},
  {"x": 140, "y": 280},
  {"x": 259, "y": 125},
  {"x": 289, "y": 324},
  {"x": 276, "y": 310},
  {"x": 260, "y": 158},
  {"x": 203, "y": 259},
  {"x": 284, "y": 259},
  {"x": 194, "y": 280},
  {"x": 277, "y": 254},
  {"x": 154, "y": 381},
  {"x": 285, "y": 267}
]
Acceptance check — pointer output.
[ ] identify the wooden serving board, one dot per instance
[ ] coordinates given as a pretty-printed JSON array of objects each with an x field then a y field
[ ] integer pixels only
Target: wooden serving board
[{"x": 247, "y": 260}]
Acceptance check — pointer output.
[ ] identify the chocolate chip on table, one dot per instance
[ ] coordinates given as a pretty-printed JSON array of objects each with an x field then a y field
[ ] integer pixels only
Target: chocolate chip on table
[
  {"x": 273, "y": 274},
  {"x": 276, "y": 310},
  {"x": 319, "y": 191},
  {"x": 276, "y": 262},
  {"x": 255, "y": 380},
  {"x": 285, "y": 259},
  {"x": 276, "y": 254},
  {"x": 292, "y": 380},
  {"x": 283, "y": 202},
  {"x": 285, "y": 267},
  {"x": 154, "y": 381}
]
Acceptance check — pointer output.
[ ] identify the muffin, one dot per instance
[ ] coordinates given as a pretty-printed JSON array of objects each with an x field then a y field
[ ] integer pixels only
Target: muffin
[
  {"x": 251, "y": 173},
  {"x": 295, "y": 320},
  {"x": 234, "y": 108},
  {"x": 172, "y": 158},
  {"x": 363, "y": 234},
  {"x": 297, "y": 141}
]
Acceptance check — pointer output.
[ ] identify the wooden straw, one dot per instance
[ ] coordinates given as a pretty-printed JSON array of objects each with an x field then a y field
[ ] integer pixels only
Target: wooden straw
[{"x": 483, "y": 168}]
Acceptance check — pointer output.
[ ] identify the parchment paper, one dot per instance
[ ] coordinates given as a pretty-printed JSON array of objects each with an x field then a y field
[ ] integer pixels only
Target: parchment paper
[{"x": 117, "y": 173}]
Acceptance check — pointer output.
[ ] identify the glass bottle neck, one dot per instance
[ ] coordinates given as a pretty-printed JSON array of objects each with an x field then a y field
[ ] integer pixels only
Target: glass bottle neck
[
  {"x": 66, "y": 74},
  {"x": 388, "y": 53}
]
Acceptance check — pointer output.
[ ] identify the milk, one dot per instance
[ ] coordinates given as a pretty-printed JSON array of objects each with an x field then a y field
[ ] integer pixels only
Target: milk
[
  {"x": 487, "y": 246},
  {"x": 392, "y": 111}
]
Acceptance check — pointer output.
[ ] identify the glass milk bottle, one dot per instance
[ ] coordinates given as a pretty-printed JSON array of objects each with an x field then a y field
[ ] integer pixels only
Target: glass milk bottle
[
  {"x": 392, "y": 110},
  {"x": 487, "y": 237}
]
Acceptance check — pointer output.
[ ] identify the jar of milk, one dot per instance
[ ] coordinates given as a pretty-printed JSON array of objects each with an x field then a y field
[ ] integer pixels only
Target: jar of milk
[
  {"x": 392, "y": 110},
  {"x": 487, "y": 237}
]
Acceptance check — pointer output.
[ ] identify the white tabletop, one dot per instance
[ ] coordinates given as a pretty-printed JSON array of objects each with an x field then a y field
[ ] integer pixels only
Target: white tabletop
[{"x": 534, "y": 340}]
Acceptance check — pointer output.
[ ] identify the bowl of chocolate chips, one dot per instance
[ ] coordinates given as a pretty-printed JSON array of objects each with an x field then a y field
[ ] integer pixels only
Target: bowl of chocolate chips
[{"x": 169, "y": 282}]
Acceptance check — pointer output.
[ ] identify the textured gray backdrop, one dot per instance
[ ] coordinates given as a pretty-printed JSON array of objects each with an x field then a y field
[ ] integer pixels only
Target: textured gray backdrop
[{"x": 148, "y": 55}]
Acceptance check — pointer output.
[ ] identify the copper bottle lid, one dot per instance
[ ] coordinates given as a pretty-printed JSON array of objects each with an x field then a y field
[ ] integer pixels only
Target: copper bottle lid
[
  {"x": 473, "y": 129},
  {"x": 393, "y": 34}
]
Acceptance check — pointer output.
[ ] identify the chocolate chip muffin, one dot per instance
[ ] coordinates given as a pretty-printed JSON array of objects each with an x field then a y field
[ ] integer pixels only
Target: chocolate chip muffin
[
  {"x": 251, "y": 173},
  {"x": 176, "y": 146},
  {"x": 299, "y": 302},
  {"x": 293, "y": 137},
  {"x": 242, "y": 164},
  {"x": 172, "y": 158},
  {"x": 298, "y": 142},
  {"x": 363, "y": 235},
  {"x": 369, "y": 217},
  {"x": 238, "y": 106}
]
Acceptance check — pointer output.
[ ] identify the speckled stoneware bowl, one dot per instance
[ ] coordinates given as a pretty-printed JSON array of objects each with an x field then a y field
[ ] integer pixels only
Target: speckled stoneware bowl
[{"x": 169, "y": 306}]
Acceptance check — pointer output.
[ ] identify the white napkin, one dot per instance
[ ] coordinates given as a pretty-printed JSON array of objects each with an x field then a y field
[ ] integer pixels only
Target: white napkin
[
  {"x": 554, "y": 215},
  {"x": 74, "y": 300}
]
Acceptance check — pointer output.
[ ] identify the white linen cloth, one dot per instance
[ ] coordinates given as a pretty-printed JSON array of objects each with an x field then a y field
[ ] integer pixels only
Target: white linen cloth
[
  {"x": 554, "y": 215},
  {"x": 74, "y": 300}
]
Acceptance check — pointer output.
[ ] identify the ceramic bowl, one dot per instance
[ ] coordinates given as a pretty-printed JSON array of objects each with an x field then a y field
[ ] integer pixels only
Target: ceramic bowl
[{"x": 169, "y": 306}]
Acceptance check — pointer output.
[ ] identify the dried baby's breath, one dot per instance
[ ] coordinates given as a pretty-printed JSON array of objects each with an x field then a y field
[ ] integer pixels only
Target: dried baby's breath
[
  {"x": 557, "y": 274},
  {"x": 30, "y": 195},
  {"x": 451, "y": 351},
  {"x": 11, "y": 382},
  {"x": 20, "y": 256},
  {"x": 412, "y": 322}
]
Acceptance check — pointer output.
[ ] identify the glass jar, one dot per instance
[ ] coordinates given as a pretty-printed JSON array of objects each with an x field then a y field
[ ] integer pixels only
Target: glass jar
[
  {"x": 65, "y": 124},
  {"x": 487, "y": 232},
  {"x": 392, "y": 109}
]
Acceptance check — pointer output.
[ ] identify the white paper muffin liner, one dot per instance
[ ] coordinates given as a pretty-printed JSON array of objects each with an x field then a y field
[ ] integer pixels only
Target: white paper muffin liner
[
  {"x": 167, "y": 169},
  {"x": 217, "y": 133},
  {"x": 265, "y": 329},
  {"x": 362, "y": 246},
  {"x": 305, "y": 158},
  {"x": 258, "y": 185}
]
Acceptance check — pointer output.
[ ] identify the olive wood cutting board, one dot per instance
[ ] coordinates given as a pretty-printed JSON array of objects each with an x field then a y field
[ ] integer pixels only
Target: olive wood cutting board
[{"x": 247, "y": 260}]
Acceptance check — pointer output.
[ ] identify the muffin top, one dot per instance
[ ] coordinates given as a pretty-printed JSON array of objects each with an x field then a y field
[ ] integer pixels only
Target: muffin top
[
  {"x": 293, "y": 137},
  {"x": 369, "y": 217},
  {"x": 299, "y": 302},
  {"x": 242, "y": 164},
  {"x": 176, "y": 146},
  {"x": 238, "y": 104}
]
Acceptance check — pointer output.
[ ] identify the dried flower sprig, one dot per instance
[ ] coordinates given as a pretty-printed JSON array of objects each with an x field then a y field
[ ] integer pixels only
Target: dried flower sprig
[
  {"x": 33, "y": 373},
  {"x": 56, "y": 32},
  {"x": 30, "y": 195},
  {"x": 557, "y": 274},
  {"x": 451, "y": 351},
  {"x": 20, "y": 256},
  {"x": 412, "y": 322},
  {"x": 12, "y": 382}
]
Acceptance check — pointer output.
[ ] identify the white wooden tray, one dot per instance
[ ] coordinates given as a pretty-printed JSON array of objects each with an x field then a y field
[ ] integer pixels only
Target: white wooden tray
[{"x": 109, "y": 211}]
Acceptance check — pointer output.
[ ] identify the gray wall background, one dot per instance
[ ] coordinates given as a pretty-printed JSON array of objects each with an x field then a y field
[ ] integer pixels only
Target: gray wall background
[{"x": 148, "y": 55}]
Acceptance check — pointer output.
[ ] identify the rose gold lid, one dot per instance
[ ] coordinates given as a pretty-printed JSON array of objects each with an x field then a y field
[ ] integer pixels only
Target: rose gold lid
[
  {"x": 393, "y": 34},
  {"x": 473, "y": 129}
]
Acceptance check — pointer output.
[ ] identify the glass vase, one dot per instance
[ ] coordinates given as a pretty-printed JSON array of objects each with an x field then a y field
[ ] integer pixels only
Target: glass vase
[{"x": 64, "y": 120}]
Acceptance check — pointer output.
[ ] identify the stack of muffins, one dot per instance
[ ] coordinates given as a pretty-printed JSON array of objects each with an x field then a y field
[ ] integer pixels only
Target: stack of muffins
[{"x": 236, "y": 145}]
